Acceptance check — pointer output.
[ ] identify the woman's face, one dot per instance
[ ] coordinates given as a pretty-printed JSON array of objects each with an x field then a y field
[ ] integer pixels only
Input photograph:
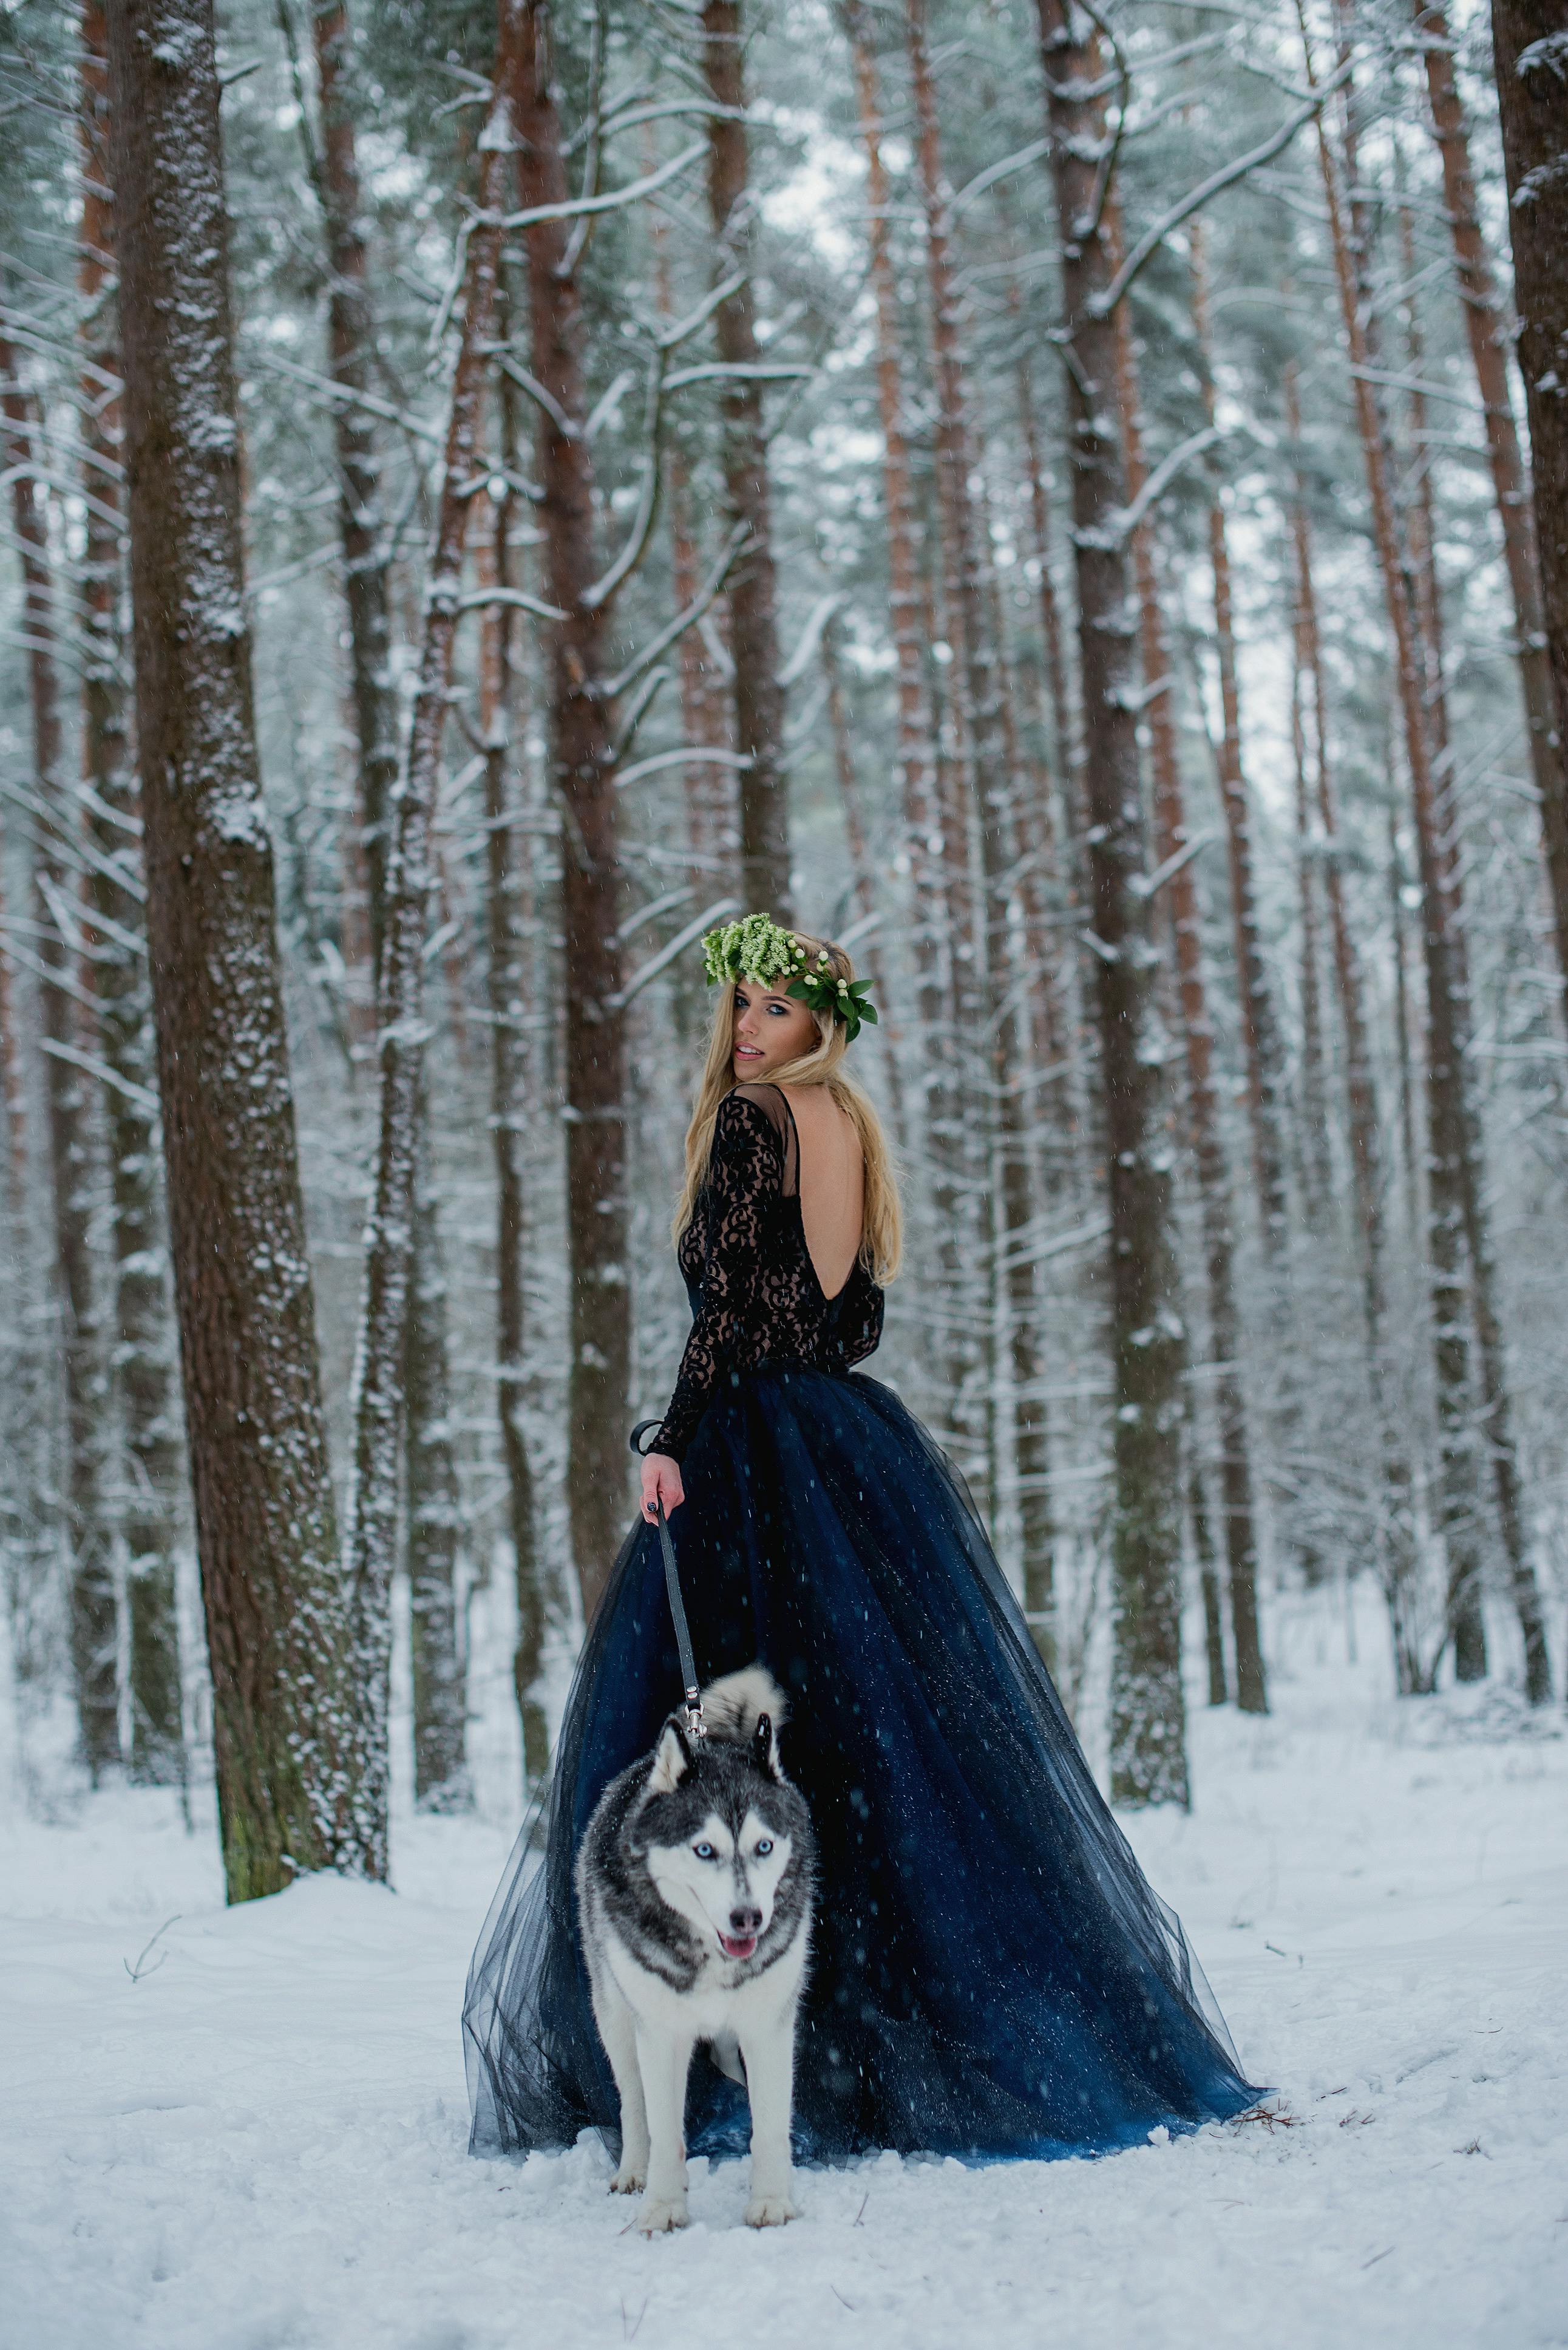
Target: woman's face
[{"x": 770, "y": 1029}]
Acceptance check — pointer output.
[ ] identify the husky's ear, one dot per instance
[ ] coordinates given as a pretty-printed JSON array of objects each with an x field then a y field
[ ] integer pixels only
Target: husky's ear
[
  {"x": 671, "y": 1760},
  {"x": 765, "y": 1753}
]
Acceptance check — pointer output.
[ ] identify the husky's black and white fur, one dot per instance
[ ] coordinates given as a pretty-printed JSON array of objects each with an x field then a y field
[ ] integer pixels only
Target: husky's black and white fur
[{"x": 694, "y": 1890}]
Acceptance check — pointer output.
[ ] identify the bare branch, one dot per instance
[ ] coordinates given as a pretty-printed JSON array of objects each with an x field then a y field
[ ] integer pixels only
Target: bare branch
[
  {"x": 607, "y": 689},
  {"x": 677, "y": 946},
  {"x": 574, "y": 207}
]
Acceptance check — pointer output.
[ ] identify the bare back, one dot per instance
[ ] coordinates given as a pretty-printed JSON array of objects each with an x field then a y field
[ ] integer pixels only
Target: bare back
[{"x": 831, "y": 1181}]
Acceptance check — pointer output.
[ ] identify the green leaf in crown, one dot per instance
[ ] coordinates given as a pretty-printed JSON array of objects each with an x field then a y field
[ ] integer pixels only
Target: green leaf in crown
[{"x": 757, "y": 948}]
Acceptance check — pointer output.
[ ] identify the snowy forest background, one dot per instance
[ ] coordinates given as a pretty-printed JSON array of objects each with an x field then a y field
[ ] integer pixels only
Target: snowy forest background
[{"x": 1230, "y": 1102}]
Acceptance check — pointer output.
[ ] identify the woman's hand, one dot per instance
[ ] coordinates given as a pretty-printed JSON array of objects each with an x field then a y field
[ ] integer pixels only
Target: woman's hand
[{"x": 661, "y": 1482}]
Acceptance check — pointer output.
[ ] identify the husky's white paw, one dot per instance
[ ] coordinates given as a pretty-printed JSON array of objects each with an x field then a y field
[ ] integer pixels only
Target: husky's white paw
[
  {"x": 629, "y": 2179},
  {"x": 771, "y": 2211},
  {"x": 656, "y": 2215}
]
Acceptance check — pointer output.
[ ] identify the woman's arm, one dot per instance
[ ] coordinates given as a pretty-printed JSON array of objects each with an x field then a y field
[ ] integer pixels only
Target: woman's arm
[{"x": 742, "y": 1176}]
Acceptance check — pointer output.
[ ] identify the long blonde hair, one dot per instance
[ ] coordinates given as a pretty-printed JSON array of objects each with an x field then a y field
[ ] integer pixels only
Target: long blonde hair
[{"x": 882, "y": 1230}]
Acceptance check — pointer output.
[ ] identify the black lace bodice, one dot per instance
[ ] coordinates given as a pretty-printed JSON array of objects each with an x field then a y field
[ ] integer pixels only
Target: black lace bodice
[{"x": 755, "y": 1297}]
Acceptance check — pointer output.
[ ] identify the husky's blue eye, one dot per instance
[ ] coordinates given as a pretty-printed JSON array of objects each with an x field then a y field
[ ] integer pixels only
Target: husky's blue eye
[
  {"x": 704, "y": 1852},
  {"x": 764, "y": 1845}
]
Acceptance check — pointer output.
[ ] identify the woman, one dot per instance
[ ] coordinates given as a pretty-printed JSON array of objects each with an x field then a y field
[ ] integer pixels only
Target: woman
[{"x": 991, "y": 1975}]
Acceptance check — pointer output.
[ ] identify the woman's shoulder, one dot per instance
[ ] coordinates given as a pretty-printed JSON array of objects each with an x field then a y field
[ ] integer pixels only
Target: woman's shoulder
[{"x": 747, "y": 1108}]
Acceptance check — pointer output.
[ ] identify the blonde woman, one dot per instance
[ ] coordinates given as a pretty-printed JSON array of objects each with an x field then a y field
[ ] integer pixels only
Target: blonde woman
[{"x": 991, "y": 1975}]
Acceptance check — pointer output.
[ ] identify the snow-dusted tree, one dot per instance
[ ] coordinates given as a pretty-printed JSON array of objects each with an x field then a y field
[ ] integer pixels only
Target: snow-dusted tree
[
  {"x": 1530, "y": 41},
  {"x": 1149, "y": 1741},
  {"x": 149, "y": 1505},
  {"x": 265, "y": 1524},
  {"x": 754, "y": 625}
]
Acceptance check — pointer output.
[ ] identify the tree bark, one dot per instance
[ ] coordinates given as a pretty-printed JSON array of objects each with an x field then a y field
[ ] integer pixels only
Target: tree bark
[
  {"x": 282, "y": 1746},
  {"x": 753, "y": 628},
  {"x": 433, "y": 1501},
  {"x": 1530, "y": 55},
  {"x": 432, "y": 1495},
  {"x": 507, "y": 975},
  {"x": 351, "y": 339},
  {"x": 1148, "y": 1746},
  {"x": 69, "y": 1093},
  {"x": 1171, "y": 838},
  {"x": 583, "y": 765},
  {"x": 1259, "y": 1027},
  {"x": 143, "y": 1354},
  {"x": 380, "y": 1399}
]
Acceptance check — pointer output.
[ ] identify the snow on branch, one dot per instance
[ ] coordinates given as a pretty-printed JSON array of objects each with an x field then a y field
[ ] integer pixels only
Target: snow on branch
[
  {"x": 677, "y": 946},
  {"x": 817, "y": 619},
  {"x": 537, "y": 391},
  {"x": 574, "y": 207},
  {"x": 1102, "y": 305},
  {"x": 139, "y": 1094},
  {"x": 686, "y": 754},
  {"x": 749, "y": 370},
  {"x": 477, "y": 597},
  {"x": 368, "y": 400},
  {"x": 1120, "y": 526}
]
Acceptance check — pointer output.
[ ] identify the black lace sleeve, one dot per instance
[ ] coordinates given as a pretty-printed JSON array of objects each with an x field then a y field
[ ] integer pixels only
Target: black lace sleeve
[
  {"x": 742, "y": 1176},
  {"x": 860, "y": 1316}
]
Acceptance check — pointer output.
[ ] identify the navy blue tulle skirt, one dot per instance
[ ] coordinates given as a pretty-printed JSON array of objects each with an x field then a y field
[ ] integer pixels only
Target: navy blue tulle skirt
[{"x": 991, "y": 1975}]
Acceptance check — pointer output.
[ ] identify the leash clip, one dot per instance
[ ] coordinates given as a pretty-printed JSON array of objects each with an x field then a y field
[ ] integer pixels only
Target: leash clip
[{"x": 695, "y": 1725}]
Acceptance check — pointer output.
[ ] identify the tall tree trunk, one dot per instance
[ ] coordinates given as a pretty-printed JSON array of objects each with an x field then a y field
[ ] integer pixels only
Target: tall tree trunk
[
  {"x": 1454, "y": 1217},
  {"x": 1396, "y": 1541},
  {"x": 432, "y": 1495},
  {"x": 1317, "y": 1178},
  {"x": 582, "y": 765},
  {"x": 1530, "y": 60},
  {"x": 1149, "y": 1739},
  {"x": 94, "y": 1625},
  {"x": 1259, "y": 1027},
  {"x": 433, "y": 1501},
  {"x": 379, "y": 1400},
  {"x": 283, "y": 1747},
  {"x": 507, "y": 974},
  {"x": 351, "y": 345},
  {"x": 1171, "y": 839},
  {"x": 143, "y": 1354},
  {"x": 753, "y": 628},
  {"x": 980, "y": 913}
]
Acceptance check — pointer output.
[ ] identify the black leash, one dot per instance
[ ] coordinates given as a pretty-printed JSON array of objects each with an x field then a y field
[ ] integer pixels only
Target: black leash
[{"x": 695, "y": 1725}]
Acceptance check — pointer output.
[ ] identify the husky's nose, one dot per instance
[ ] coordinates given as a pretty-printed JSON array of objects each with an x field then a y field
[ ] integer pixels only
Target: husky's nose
[{"x": 745, "y": 1922}]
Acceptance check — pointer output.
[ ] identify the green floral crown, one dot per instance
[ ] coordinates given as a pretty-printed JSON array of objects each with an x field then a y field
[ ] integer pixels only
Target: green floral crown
[{"x": 757, "y": 948}]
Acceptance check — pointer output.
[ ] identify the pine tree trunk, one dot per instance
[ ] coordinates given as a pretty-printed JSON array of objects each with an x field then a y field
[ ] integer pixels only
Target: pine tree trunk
[
  {"x": 583, "y": 763},
  {"x": 1171, "y": 838},
  {"x": 283, "y": 1745},
  {"x": 1259, "y": 1027},
  {"x": 1396, "y": 1542},
  {"x": 352, "y": 346},
  {"x": 1496, "y": 1416},
  {"x": 1148, "y": 1744},
  {"x": 149, "y": 1512},
  {"x": 1455, "y": 1216},
  {"x": 1531, "y": 69},
  {"x": 980, "y": 780},
  {"x": 753, "y": 628},
  {"x": 434, "y": 1505},
  {"x": 94, "y": 1625},
  {"x": 433, "y": 1508},
  {"x": 507, "y": 974},
  {"x": 1317, "y": 1178},
  {"x": 380, "y": 1369},
  {"x": 851, "y": 802}
]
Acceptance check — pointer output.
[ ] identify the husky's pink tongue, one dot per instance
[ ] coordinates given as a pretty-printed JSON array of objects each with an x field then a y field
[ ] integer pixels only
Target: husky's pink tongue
[{"x": 737, "y": 1945}]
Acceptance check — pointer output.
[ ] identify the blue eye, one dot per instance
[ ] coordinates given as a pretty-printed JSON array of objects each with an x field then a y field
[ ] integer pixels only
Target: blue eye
[
  {"x": 704, "y": 1852},
  {"x": 764, "y": 1845}
]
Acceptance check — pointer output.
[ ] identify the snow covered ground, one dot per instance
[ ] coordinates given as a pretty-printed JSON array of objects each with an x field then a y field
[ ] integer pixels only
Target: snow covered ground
[{"x": 258, "y": 2144}]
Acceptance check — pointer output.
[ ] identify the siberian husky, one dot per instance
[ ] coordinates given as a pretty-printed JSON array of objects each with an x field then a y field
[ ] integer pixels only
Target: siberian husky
[{"x": 694, "y": 1892}]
